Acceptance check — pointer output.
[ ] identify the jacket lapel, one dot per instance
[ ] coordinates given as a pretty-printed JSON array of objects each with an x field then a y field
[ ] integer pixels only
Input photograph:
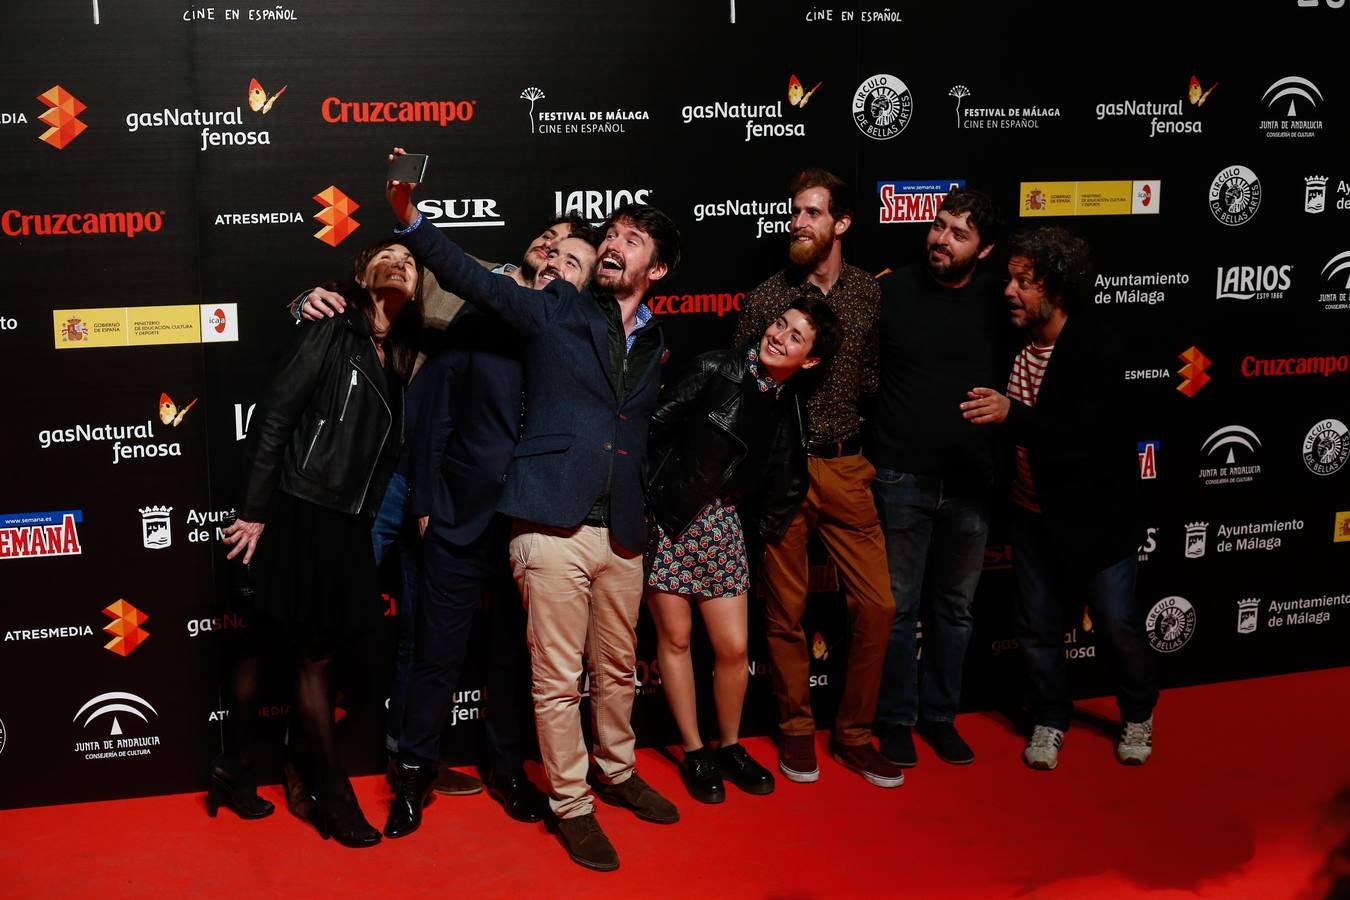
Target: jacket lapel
[{"x": 598, "y": 320}]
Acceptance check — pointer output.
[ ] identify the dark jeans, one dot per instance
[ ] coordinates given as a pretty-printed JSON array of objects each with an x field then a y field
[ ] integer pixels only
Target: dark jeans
[
  {"x": 385, "y": 532},
  {"x": 1046, "y": 584},
  {"x": 935, "y": 532},
  {"x": 454, "y": 581}
]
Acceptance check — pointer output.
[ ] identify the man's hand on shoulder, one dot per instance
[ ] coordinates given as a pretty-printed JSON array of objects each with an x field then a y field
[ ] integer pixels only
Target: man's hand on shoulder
[{"x": 320, "y": 303}]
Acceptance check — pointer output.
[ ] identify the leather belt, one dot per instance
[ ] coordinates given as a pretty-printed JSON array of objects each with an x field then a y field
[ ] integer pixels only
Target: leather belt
[{"x": 831, "y": 449}]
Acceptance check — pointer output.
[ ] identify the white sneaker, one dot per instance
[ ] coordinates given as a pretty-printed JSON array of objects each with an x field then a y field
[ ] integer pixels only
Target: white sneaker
[
  {"x": 1136, "y": 743},
  {"x": 1042, "y": 750}
]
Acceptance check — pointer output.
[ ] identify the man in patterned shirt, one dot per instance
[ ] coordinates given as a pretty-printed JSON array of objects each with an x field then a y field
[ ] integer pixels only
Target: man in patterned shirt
[
  {"x": 839, "y": 505},
  {"x": 1075, "y": 526}
]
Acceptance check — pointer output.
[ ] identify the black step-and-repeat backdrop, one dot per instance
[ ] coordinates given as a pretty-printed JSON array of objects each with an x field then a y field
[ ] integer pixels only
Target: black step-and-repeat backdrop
[{"x": 174, "y": 172}]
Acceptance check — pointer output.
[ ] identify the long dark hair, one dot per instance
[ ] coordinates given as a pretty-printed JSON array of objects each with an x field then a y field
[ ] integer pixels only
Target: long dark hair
[{"x": 401, "y": 343}]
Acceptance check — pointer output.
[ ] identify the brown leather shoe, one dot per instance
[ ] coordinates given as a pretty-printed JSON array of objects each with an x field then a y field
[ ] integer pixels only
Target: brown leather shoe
[
  {"x": 456, "y": 784},
  {"x": 586, "y": 843},
  {"x": 797, "y": 757},
  {"x": 641, "y": 798},
  {"x": 869, "y": 763}
]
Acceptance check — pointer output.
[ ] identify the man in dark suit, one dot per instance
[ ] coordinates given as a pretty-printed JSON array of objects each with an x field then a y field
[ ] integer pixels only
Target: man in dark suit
[
  {"x": 1075, "y": 525},
  {"x": 460, "y": 451},
  {"x": 574, "y": 487}
]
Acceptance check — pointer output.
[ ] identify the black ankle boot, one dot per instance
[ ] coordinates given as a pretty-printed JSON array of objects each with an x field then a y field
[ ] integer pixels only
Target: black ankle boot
[
  {"x": 340, "y": 817},
  {"x": 230, "y": 786},
  {"x": 412, "y": 791}
]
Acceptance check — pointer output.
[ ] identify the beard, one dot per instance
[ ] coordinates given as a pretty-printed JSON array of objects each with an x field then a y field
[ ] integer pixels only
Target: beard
[
  {"x": 809, "y": 254},
  {"x": 949, "y": 268}
]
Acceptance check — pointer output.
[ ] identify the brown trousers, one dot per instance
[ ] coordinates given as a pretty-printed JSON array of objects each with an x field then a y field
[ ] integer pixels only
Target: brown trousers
[{"x": 840, "y": 509}]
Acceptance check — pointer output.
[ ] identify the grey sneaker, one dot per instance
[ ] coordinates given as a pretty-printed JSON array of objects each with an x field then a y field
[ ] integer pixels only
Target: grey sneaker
[
  {"x": 1042, "y": 750},
  {"x": 1136, "y": 743}
]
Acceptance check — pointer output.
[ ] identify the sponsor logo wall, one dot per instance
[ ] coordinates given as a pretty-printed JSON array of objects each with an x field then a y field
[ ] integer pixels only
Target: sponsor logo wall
[{"x": 160, "y": 224}]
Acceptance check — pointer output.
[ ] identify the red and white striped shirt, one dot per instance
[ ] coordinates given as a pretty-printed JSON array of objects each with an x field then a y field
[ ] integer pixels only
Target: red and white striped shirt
[{"x": 1024, "y": 384}]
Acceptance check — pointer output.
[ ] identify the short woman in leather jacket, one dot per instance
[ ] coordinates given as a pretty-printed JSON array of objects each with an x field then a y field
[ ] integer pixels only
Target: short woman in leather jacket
[
  {"x": 726, "y": 446},
  {"x": 321, "y": 447}
]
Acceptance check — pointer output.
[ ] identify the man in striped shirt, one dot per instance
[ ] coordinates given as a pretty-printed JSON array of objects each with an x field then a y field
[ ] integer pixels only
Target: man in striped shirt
[{"x": 1074, "y": 527}]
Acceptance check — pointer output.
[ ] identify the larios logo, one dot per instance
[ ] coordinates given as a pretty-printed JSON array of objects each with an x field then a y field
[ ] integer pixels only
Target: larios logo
[
  {"x": 771, "y": 216},
  {"x": 578, "y": 121},
  {"x": 337, "y": 111},
  {"x": 751, "y": 114},
  {"x": 1251, "y": 282},
  {"x": 117, "y": 705},
  {"x": 913, "y": 201},
  {"x": 1164, "y": 117},
  {"x": 29, "y": 535},
  {"x": 995, "y": 118},
  {"x": 63, "y": 108},
  {"x": 17, "y": 223},
  {"x": 1298, "y": 98},
  {"x": 336, "y": 215},
  {"x": 687, "y": 304},
  {"x": 594, "y": 205}
]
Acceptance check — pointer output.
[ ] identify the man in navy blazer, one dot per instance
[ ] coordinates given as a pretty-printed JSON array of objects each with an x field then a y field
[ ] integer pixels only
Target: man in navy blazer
[
  {"x": 470, "y": 412},
  {"x": 574, "y": 487}
]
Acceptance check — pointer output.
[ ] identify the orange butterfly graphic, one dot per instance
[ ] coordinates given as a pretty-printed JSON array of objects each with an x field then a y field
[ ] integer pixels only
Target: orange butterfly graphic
[
  {"x": 258, "y": 101},
  {"x": 170, "y": 414},
  {"x": 796, "y": 97}
]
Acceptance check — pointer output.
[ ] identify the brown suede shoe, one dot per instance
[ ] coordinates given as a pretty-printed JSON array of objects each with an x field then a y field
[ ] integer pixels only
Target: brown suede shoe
[
  {"x": 456, "y": 784},
  {"x": 797, "y": 757},
  {"x": 641, "y": 798},
  {"x": 586, "y": 843},
  {"x": 869, "y": 763}
]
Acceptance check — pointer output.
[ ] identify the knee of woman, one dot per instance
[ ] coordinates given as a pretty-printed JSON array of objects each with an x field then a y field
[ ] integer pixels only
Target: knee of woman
[
  {"x": 732, "y": 652},
  {"x": 674, "y": 643}
]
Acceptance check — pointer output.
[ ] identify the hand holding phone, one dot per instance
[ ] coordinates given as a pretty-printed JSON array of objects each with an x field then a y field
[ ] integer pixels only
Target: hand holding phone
[
  {"x": 408, "y": 167},
  {"x": 406, "y": 171}
]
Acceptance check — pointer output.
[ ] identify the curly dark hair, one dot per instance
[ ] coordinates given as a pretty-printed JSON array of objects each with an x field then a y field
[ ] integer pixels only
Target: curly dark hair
[
  {"x": 580, "y": 228},
  {"x": 1059, "y": 259},
  {"x": 985, "y": 214}
]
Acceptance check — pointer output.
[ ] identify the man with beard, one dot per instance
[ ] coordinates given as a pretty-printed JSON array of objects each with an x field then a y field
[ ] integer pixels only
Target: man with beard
[
  {"x": 941, "y": 328},
  {"x": 574, "y": 487},
  {"x": 462, "y": 447},
  {"x": 838, "y": 506},
  {"x": 1076, "y": 465}
]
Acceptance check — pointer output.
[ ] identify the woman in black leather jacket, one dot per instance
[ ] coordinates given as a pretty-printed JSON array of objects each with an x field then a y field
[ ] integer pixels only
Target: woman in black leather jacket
[
  {"x": 726, "y": 445},
  {"x": 321, "y": 448}
]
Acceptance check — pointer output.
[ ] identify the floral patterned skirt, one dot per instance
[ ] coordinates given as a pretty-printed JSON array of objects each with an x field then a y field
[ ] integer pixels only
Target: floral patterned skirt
[{"x": 707, "y": 560}]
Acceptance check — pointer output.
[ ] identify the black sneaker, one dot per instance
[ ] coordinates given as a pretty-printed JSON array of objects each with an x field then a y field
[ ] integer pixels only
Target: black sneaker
[
  {"x": 641, "y": 798},
  {"x": 701, "y": 776},
  {"x": 586, "y": 843},
  {"x": 946, "y": 742},
  {"x": 740, "y": 768},
  {"x": 897, "y": 745}
]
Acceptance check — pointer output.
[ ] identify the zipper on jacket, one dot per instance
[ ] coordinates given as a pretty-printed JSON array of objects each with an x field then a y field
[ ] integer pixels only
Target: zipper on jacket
[
  {"x": 389, "y": 414},
  {"x": 312, "y": 441},
  {"x": 342, "y": 417}
]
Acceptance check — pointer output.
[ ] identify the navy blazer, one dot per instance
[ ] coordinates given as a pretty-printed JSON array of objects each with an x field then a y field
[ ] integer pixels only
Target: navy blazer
[
  {"x": 580, "y": 436},
  {"x": 468, "y": 419}
]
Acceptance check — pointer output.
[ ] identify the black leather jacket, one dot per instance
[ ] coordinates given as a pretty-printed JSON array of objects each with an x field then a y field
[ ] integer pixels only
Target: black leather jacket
[
  {"x": 697, "y": 444},
  {"x": 325, "y": 430}
]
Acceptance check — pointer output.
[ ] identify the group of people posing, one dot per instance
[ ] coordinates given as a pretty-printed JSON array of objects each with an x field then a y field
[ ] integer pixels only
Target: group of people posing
[{"x": 543, "y": 457}]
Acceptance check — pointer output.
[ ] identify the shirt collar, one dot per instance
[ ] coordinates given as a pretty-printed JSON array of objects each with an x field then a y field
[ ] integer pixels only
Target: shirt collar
[{"x": 763, "y": 380}]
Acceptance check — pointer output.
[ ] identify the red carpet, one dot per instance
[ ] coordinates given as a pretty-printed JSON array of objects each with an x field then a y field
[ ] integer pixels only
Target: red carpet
[{"x": 1248, "y": 795}]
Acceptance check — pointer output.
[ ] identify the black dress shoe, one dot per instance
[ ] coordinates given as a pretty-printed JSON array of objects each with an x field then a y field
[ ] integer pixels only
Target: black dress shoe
[
  {"x": 897, "y": 745},
  {"x": 947, "y": 742},
  {"x": 519, "y": 797},
  {"x": 701, "y": 776},
  {"x": 412, "y": 791},
  {"x": 741, "y": 770}
]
